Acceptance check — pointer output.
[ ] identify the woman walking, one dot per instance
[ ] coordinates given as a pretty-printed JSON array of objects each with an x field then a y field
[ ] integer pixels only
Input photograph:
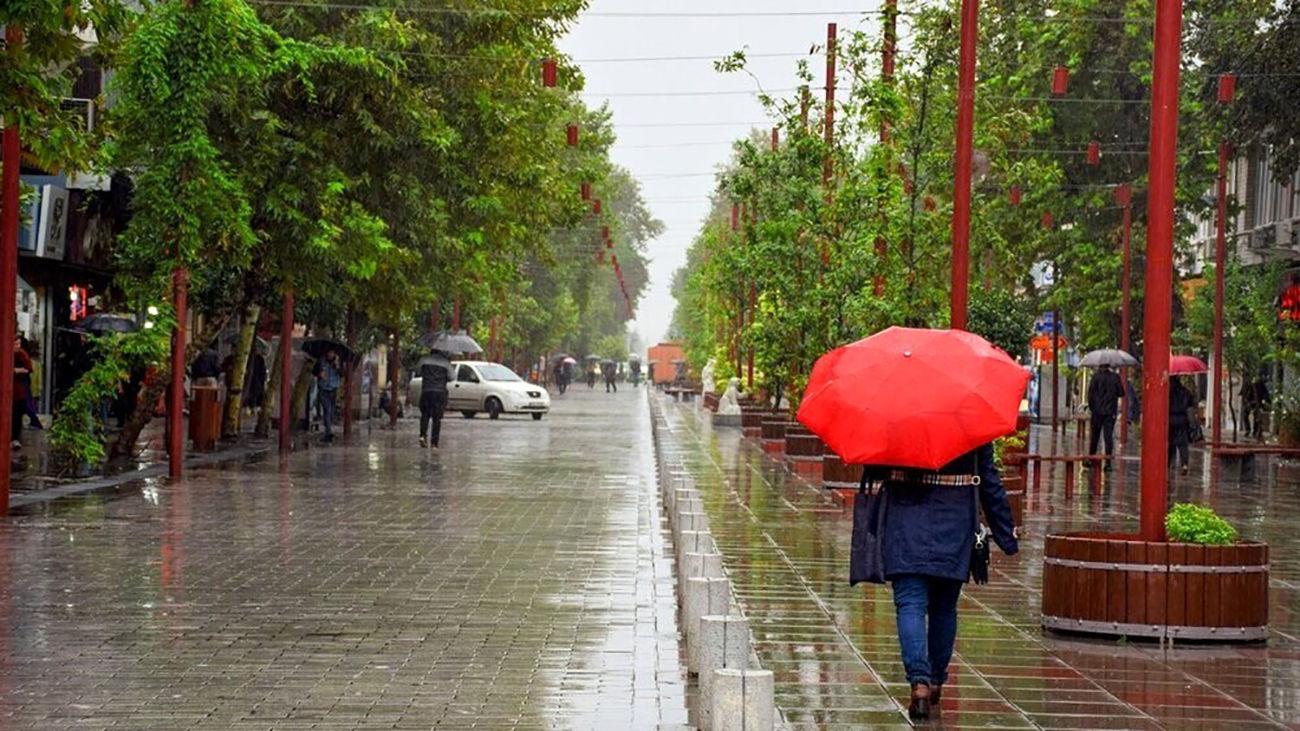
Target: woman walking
[
  {"x": 930, "y": 527},
  {"x": 1181, "y": 402}
]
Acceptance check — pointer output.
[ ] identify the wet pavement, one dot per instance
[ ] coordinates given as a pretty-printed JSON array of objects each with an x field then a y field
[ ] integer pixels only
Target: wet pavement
[
  {"x": 834, "y": 651},
  {"x": 517, "y": 579}
]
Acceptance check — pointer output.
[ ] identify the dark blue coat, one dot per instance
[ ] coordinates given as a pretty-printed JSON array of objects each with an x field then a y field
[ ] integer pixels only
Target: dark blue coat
[{"x": 929, "y": 530}]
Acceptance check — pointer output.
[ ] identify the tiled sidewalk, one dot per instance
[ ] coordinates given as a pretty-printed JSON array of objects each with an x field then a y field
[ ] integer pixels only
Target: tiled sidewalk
[
  {"x": 518, "y": 579},
  {"x": 834, "y": 650}
]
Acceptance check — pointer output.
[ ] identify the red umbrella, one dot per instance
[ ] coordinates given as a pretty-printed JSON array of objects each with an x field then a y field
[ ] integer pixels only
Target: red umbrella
[
  {"x": 1180, "y": 365},
  {"x": 913, "y": 398}
]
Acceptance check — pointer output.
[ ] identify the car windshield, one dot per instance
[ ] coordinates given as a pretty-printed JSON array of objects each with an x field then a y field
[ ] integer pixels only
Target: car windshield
[{"x": 495, "y": 372}]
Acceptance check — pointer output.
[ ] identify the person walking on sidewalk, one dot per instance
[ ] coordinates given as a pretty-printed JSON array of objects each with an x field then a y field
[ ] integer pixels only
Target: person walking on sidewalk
[
  {"x": 1181, "y": 401},
  {"x": 1103, "y": 402},
  {"x": 328, "y": 378},
  {"x": 435, "y": 372},
  {"x": 930, "y": 526},
  {"x": 610, "y": 369}
]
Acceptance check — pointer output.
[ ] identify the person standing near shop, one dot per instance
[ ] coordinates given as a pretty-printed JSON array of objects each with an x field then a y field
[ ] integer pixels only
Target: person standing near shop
[
  {"x": 1103, "y": 403},
  {"x": 22, "y": 388},
  {"x": 435, "y": 372}
]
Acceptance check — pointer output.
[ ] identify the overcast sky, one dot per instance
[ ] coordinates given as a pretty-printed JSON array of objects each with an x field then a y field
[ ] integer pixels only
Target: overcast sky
[{"x": 675, "y": 164}]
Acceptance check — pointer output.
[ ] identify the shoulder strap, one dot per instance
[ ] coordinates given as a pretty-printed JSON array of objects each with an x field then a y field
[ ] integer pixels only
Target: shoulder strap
[{"x": 862, "y": 484}]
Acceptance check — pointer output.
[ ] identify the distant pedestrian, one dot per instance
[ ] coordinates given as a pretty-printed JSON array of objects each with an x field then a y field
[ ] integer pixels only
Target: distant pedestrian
[
  {"x": 635, "y": 368},
  {"x": 1103, "y": 402},
  {"x": 561, "y": 376},
  {"x": 22, "y": 386},
  {"x": 610, "y": 369},
  {"x": 591, "y": 376},
  {"x": 1181, "y": 401},
  {"x": 435, "y": 372},
  {"x": 1255, "y": 398},
  {"x": 1133, "y": 403},
  {"x": 329, "y": 375},
  {"x": 30, "y": 402},
  {"x": 255, "y": 381}
]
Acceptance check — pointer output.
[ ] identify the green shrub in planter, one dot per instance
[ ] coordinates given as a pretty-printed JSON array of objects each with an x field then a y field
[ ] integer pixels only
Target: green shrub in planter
[{"x": 1187, "y": 523}]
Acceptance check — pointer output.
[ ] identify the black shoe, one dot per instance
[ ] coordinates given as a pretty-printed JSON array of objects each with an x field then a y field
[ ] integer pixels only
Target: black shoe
[
  {"x": 936, "y": 693},
  {"x": 919, "y": 710}
]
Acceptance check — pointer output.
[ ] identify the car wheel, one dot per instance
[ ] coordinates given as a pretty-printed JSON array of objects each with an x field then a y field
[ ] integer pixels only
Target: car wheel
[
  {"x": 537, "y": 417},
  {"x": 468, "y": 414},
  {"x": 493, "y": 408}
]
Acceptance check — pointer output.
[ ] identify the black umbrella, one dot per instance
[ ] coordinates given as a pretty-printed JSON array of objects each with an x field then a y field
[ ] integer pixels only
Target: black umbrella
[
  {"x": 1107, "y": 356},
  {"x": 451, "y": 342},
  {"x": 107, "y": 322},
  {"x": 592, "y": 357},
  {"x": 560, "y": 357},
  {"x": 318, "y": 347}
]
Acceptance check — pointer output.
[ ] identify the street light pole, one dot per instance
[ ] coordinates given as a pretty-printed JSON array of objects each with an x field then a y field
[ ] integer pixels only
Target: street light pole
[
  {"x": 1163, "y": 159},
  {"x": 1124, "y": 196},
  {"x": 1220, "y": 262},
  {"x": 9, "y": 218},
  {"x": 962, "y": 177}
]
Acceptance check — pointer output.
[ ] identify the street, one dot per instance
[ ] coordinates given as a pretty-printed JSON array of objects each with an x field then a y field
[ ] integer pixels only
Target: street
[{"x": 515, "y": 579}]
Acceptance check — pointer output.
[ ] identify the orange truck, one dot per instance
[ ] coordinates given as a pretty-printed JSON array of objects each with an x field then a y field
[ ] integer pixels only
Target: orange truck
[{"x": 661, "y": 359}]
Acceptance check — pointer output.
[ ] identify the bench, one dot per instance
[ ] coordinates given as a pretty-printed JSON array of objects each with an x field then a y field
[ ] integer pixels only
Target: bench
[
  {"x": 1071, "y": 463},
  {"x": 681, "y": 393},
  {"x": 1238, "y": 458}
]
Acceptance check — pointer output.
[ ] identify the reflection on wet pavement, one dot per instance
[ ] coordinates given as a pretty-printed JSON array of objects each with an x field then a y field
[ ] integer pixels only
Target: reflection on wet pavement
[
  {"x": 517, "y": 579},
  {"x": 834, "y": 651}
]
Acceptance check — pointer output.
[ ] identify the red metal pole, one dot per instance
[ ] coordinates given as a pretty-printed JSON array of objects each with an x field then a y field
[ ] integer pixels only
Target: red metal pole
[
  {"x": 176, "y": 404},
  {"x": 1056, "y": 368},
  {"x": 9, "y": 219},
  {"x": 1160, "y": 268},
  {"x": 1125, "y": 307},
  {"x": 962, "y": 176},
  {"x": 286, "y": 358},
  {"x": 1220, "y": 263}
]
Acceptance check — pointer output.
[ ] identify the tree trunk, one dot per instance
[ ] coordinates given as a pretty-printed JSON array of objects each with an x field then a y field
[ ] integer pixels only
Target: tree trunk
[
  {"x": 124, "y": 445},
  {"x": 301, "y": 387},
  {"x": 349, "y": 371},
  {"x": 235, "y": 389},
  {"x": 272, "y": 397}
]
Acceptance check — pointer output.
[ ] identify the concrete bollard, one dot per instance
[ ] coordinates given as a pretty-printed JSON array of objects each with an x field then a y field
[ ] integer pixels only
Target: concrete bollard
[
  {"x": 703, "y": 596},
  {"x": 724, "y": 643},
  {"x": 693, "y": 541},
  {"x": 692, "y": 565},
  {"x": 689, "y": 522},
  {"x": 742, "y": 700},
  {"x": 687, "y": 501}
]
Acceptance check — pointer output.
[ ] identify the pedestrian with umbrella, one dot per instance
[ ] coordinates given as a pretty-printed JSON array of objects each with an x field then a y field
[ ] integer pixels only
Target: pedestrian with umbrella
[
  {"x": 919, "y": 409},
  {"x": 1104, "y": 393},
  {"x": 1181, "y": 403},
  {"x": 610, "y": 369},
  {"x": 435, "y": 373},
  {"x": 593, "y": 368}
]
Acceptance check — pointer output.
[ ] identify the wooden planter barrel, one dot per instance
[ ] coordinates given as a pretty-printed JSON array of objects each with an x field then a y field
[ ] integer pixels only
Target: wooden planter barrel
[
  {"x": 1014, "y": 482},
  {"x": 838, "y": 475},
  {"x": 773, "y": 432},
  {"x": 751, "y": 419},
  {"x": 1119, "y": 585},
  {"x": 804, "y": 450}
]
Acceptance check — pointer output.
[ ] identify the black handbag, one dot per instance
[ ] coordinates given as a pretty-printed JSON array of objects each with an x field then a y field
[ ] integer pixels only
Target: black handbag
[{"x": 867, "y": 554}]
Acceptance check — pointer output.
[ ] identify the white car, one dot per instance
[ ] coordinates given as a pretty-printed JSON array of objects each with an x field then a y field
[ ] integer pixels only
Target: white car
[{"x": 491, "y": 387}]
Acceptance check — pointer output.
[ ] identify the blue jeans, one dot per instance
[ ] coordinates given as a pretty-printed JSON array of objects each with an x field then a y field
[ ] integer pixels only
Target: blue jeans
[{"x": 926, "y": 650}]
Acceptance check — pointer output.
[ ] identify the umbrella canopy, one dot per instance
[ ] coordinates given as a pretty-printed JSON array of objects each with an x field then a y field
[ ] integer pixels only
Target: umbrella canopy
[
  {"x": 561, "y": 358},
  {"x": 318, "y": 347},
  {"x": 108, "y": 322},
  {"x": 451, "y": 342},
  {"x": 569, "y": 360},
  {"x": 1109, "y": 357},
  {"x": 592, "y": 357},
  {"x": 913, "y": 398},
  {"x": 1181, "y": 365},
  {"x": 634, "y": 358}
]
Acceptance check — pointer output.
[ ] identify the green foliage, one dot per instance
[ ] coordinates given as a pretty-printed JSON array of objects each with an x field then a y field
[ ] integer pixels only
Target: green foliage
[
  {"x": 77, "y": 434},
  {"x": 1188, "y": 523},
  {"x": 1002, "y": 445},
  {"x": 612, "y": 347},
  {"x": 1003, "y": 319}
]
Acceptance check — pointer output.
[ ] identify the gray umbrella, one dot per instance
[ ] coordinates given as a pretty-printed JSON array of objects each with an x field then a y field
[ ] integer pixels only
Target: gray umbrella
[
  {"x": 451, "y": 342},
  {"x": 108, "y": 322},
  {"x": 1107, "y": 356}
]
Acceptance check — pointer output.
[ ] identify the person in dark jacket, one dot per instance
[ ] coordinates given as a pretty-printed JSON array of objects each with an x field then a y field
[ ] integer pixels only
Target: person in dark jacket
[
  {"x": 562, "y": 376},
  {"x": 928, "y": 536},
  {"x": 1103, "y": 402},
  {"x": 610, "y": 370},
  {"x": 1181, "y": 402},
  {"x": 435, "y": 372}
]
